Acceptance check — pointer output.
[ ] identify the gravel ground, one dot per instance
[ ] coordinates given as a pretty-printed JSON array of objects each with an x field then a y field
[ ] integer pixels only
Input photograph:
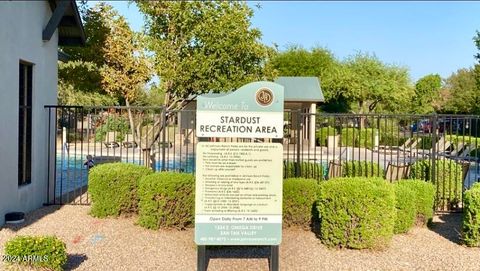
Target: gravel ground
[{"x": 118, "y": 244}]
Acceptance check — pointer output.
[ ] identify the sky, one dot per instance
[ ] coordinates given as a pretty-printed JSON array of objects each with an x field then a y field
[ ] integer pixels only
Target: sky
[{"x": 425, "y": 37}]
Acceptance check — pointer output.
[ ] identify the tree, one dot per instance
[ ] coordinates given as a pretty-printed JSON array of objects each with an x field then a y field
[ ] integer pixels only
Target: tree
[
  {"x": 97, "y": 29},
  {"x": 372, "y": 85},
  {"x": 203, "y": 46},
  {"x": 476, "y": 39},
  {"x": 462, "y": 92},
  {"x": 426, "y": 93},
  {"x": 319, "y": 62},
  {"x": 126, "y": 69},
  {"x": 80, "y": 81}
]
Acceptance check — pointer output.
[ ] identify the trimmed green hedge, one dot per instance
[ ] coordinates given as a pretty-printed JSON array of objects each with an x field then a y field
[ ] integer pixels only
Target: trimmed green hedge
[
  {"x": 405, "y": 198},
  {"x": 424, "y": 199},
  {"x": 308, "y": 170},
  {"x": 362, "y": 169},
  {"x": 356, "y": 212},
  {"x": 353, "y": 137},
  {"x": 349, "y": 137},
  {"x": 299, "y": 202},
  {"x": 167, "y": 199},
  {"x": 471, "y": 217},
  {"x": 113, "y": 188},
  {"x": 322, "y": 133},
  {"x": 448, "y": 182},
  {"x": 366, "y": 137},
  {"x": 46, "y": 252}
]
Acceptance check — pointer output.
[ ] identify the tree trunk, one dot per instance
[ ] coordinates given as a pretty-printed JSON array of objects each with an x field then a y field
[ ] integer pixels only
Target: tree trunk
[{"x": 361, "y": 118}]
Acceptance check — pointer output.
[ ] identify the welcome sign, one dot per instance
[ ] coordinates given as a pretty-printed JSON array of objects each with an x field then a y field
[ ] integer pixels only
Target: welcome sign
[
  {"x": 238, "y": 198},
  {"x": 253, "y": 111}
]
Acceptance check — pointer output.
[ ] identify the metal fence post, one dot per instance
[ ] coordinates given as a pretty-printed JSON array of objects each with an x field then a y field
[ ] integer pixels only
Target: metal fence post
[
  {"x": 298, "y": 172},
  {"x": 434, "y": 152},
  {"x": 164, "y": 143}
]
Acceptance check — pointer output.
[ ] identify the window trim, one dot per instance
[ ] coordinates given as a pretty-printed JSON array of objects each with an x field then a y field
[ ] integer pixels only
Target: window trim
[{"x": 25, "y": 119}]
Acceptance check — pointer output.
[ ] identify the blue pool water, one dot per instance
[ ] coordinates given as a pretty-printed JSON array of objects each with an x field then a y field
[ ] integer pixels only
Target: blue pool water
[{"x": 72, "y": 174}]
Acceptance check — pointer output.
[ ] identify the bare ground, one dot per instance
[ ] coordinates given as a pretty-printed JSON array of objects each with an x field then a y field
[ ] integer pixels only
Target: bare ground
[{"x": 119, "y": 244}]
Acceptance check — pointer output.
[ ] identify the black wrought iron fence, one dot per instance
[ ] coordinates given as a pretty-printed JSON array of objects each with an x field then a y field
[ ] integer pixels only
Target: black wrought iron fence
[
  {"x": 442, "y": 149},
  {"x": 82, "y": 137}
]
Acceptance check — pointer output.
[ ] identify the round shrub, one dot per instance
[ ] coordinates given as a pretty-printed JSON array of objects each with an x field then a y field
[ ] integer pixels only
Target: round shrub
[
  {"x": 307, "y": 170},
  {"x": 322, "y": 134},
  {"x": 46, "y": 252},
  {"x": 167, "y": 199},
  {"x": 406, "y": 208},
  {"x": 356, "y": 212},
  {"x": 424, "y": 199},
  {"x": 299, "y": 202},
  {"x": 471, "y": 217},
  {"x": 113, "y": 188},
  {"x": 362, "y": 169},
  {"x": 448, "y": 180}
]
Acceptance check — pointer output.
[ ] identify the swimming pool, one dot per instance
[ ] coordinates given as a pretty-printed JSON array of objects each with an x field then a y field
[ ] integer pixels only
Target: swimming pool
[{"x": 71, "y": 173}]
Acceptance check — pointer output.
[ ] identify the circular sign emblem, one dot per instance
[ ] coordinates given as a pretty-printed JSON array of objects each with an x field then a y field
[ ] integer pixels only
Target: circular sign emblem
[{"x": 264, "y": 97}]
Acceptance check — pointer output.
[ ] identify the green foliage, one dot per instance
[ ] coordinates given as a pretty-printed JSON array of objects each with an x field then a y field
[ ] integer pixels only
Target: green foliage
[
  {"x": 67, "y": 95},
  {"x": 357, "y": 168},
  {"x": 421, "y": 170},
  {"x": 80, "y": 78},
  {"x": 424, "y": 199},
  {"x": 349, "y": 137},
  {"x": 476, "y": 40},
  {"x": 471, "y": 217},
  {"x": 83, "y": 76},
  {"x": 353, "y": 137},
  {"x": 46, "y": 252},
  {"x": 448, "y": 180},
  {"x": 96, "y": 32},
  {"x": 322, "y": 133},
  {"x": 366, "y": 137},
  {"x": 470, "y": 140},
  {"x": 112, "y": 124},
  {"x": 462, "y": 93},
  {"x": 319, "y": 62},
  {"x": 356, "y": 212},
  {"x": 426, "y": 92},
  {"x": 307, "y": 170},
  {"x": 406, "y": 207},
  {"x": 113, "y": 188},
  {"x": 126, "y": 68},
  {"x": 203, "y": 46},
  {"x": 299, "y": 202},
  {"x": 426, "y": 143},
  {"x": 167, "y": 199},
  {"x": 153, "y": 97},
  {"x": 112, "y": 62},
  {"x": 371, "y": 84},
  {"x": 389, "y": 132},
  {"x": 388, "y": 139}
]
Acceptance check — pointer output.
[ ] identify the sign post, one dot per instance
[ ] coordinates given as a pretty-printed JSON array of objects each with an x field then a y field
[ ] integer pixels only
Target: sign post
[{"x": 238, "y": 199}]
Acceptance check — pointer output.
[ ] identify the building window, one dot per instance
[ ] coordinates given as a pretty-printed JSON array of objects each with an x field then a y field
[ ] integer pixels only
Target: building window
[{"x": 25, "y": 124}]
